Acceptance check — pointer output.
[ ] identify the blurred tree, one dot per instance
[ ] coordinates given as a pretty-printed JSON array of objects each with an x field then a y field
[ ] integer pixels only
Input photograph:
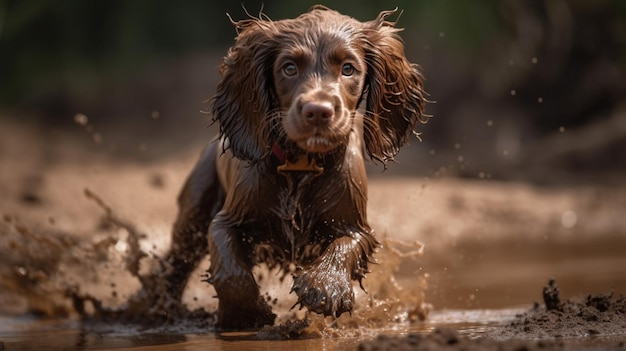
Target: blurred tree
[
  {"x": 528, "y": 66},
  {"x": 55, "y": 51}
]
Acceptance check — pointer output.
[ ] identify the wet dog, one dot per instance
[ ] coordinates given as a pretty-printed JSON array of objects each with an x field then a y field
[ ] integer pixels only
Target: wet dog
[{"x": 300, "y": 104}]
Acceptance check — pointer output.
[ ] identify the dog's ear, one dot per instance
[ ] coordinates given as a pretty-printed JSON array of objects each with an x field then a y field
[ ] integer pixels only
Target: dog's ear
[
  {"x": 395, "y": 96},
  {"x": 243, "y": 99}
]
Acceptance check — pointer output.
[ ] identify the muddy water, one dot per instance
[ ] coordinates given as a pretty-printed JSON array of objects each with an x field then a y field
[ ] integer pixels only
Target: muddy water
[
  {"x": 29, "y": 334},
  {"x": 489, "y": 249},
  {"x": 473, "y": 299}
]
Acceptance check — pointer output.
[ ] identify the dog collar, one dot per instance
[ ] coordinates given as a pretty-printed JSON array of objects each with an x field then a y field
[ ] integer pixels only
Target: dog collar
[{"x": 302, "y": 163}]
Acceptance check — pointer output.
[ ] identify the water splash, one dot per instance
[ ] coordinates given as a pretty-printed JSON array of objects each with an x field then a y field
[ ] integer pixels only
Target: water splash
[{"x": 104, "y": 277}]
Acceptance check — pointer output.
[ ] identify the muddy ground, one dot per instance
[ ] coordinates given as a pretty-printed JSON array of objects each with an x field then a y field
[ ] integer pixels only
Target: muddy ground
[
  {"x": 550, "y": 325},
  {"x": 455, "y": 244}
]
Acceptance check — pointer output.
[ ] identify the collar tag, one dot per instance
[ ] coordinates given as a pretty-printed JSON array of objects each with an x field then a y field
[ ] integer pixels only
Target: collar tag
[{"x": 302, "y": 164}]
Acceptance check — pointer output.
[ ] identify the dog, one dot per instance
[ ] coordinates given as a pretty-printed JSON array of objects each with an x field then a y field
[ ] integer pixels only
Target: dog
[{"x": 300, "y": 104}]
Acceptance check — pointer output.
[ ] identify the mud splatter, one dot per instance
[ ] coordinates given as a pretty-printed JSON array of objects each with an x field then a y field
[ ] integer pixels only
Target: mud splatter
[
  {"x": 59, "y": 275},
  {"x": 30, "y": 269},
  {"x": 551, "y": 296},
  {"x": 149, "y": 306},
  {"x": 383, "y": 303},
  {"x": 110, "y": 279}
]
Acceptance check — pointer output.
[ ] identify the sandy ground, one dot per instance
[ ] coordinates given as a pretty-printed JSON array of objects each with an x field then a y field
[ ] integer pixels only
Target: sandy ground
[{"x": 487, "y": 244}]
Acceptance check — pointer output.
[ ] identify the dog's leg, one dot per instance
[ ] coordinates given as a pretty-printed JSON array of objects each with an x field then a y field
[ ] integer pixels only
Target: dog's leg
[
  {"x": 240, "y": 303},
  {"x": 326, "y": 286},
  {"x": 200, "y": 199}
]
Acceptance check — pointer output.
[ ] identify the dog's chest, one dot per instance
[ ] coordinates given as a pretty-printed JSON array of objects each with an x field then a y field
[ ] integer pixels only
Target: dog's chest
[{"x": 303, "y": 216}]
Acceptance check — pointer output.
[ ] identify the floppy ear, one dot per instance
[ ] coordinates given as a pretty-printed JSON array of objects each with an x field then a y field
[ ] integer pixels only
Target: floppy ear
[
  {"x": 245, "y": 93},
  {"x": 395, "y": 100}
]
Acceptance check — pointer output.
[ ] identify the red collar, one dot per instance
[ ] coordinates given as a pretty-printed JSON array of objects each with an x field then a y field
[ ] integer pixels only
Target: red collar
[{"x": 278, "y": 152}]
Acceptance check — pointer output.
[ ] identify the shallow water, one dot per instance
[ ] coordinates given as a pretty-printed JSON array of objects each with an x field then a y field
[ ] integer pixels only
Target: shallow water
[
  {"x": 574, "y": 269},
  {"x": 34, "y": 334}
]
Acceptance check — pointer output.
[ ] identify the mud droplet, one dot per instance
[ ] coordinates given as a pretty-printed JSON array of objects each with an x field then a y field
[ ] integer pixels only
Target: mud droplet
[
  {"x": 81, "y": 119},
  {"x": 97, "y": 138},
  {"x": 551, "y": 296},
  {"x": 22, "y": 271},
  {"x": 121, "y": 246},
  {"x": 569, "y": 219}
]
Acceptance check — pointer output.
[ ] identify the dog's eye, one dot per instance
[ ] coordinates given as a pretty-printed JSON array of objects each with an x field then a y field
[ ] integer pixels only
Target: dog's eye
[
  {"x": 290, "y": 69},
  {"x": 347, "y": 69}
]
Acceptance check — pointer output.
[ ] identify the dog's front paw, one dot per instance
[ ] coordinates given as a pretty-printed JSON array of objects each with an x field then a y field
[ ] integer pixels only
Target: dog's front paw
[{"x": 328, "y": 292}]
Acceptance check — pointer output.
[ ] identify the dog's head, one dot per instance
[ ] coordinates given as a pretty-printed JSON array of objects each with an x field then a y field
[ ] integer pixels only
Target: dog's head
[{"x": 303, "y": 79}]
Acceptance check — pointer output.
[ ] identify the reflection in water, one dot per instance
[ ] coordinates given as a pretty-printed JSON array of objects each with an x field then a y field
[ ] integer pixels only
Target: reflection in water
[{"x": 33, "y": 334}]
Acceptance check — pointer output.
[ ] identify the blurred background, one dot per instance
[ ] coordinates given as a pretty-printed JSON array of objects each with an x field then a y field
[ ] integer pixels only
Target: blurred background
[{"x": 529, "y": 90}]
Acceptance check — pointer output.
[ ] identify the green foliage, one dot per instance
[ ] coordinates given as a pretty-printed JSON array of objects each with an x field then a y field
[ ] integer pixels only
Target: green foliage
[{"x": 62, "y": 48}]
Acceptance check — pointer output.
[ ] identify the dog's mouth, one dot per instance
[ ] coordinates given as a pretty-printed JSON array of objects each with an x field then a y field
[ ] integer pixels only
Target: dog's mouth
[{"x": 318, "y": 143}]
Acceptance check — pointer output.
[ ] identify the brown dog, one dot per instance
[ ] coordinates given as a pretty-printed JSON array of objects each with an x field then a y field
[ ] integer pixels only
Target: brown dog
[{"x": 286, "y": 183}]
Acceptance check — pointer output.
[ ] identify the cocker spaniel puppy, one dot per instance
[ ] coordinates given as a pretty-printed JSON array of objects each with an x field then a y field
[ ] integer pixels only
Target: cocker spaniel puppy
[{"x": 299, "y": 104}]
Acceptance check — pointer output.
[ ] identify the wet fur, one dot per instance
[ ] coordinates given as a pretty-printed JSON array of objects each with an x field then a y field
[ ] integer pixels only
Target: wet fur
[{"x": 251, "y": 212}]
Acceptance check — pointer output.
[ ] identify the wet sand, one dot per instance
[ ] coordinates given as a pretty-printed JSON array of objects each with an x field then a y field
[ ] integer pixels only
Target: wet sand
[
  {"x": 488, "y": 249},
  {"x": 590, "y": 322}
]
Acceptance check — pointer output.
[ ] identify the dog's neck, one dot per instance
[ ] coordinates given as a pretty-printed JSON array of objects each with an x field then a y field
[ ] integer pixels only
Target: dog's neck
[{"x": 293, "y": 159}]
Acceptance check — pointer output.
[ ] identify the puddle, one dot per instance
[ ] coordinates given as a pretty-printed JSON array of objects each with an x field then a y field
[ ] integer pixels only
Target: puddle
[
  {"x": 28, "y": 332},
  {"x": 36, "y": 334}
]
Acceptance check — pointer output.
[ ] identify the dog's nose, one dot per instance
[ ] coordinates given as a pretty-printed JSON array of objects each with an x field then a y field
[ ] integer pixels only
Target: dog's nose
[{"x": 318, "y": 113}]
